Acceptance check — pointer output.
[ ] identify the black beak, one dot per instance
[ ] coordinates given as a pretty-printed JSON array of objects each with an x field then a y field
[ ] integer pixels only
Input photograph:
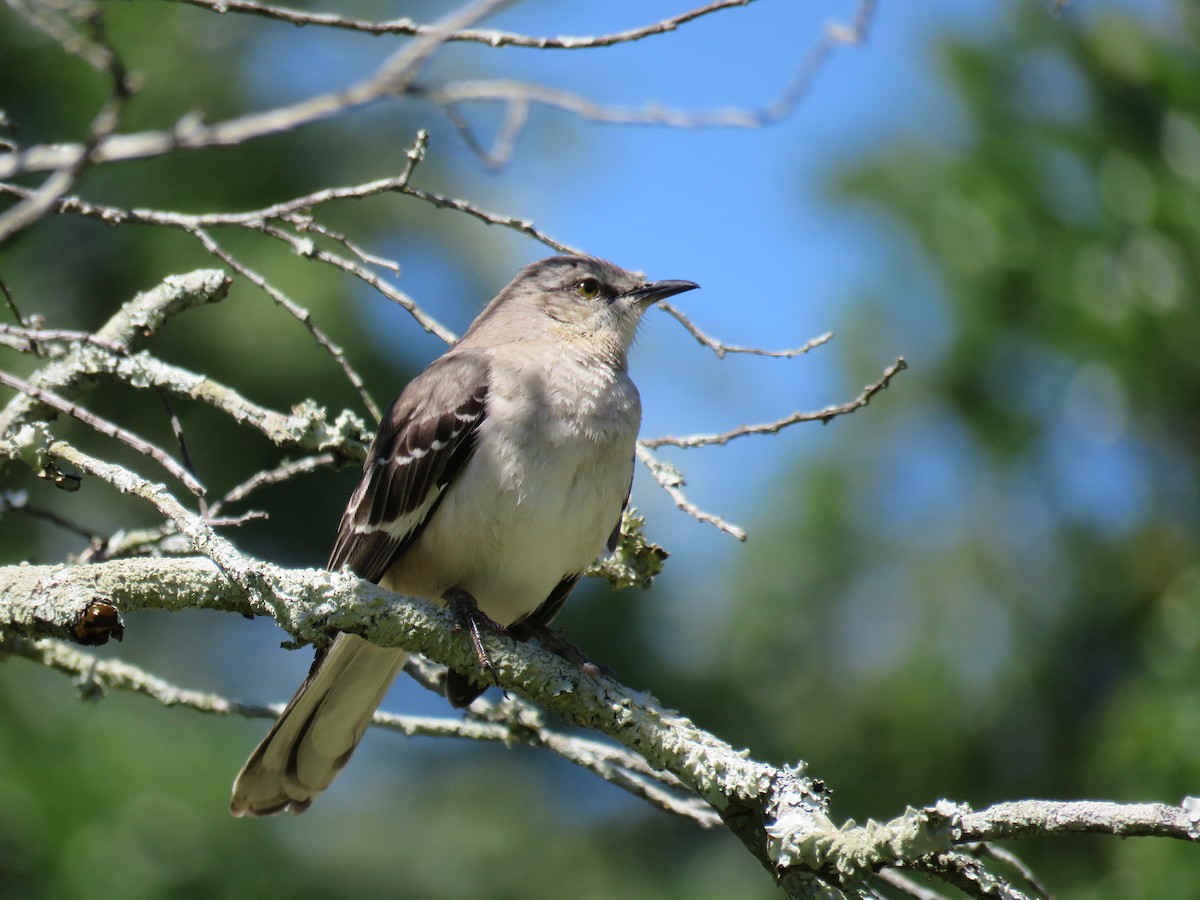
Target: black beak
[{"x": 660, "y": 290}]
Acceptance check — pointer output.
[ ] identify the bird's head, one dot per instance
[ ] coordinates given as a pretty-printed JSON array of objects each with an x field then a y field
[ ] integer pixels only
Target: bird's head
[{"x": 580, "y": 300}]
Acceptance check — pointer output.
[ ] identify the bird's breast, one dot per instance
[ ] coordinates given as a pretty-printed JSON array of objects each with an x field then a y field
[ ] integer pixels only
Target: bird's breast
[{"x": 540, "y": 495}]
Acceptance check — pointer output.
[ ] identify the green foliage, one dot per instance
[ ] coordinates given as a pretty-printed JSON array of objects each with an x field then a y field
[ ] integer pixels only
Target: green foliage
[
  {"x": 987, "y": 590},
  {"x": 990, "y": 590}
]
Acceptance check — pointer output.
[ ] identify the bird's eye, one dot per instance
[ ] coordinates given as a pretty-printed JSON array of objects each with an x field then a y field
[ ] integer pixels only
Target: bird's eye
[{"x": 588, "y": 288}]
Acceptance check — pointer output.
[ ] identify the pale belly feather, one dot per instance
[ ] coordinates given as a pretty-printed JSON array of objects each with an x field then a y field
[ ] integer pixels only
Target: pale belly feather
[{"x": 525, "y": 513}]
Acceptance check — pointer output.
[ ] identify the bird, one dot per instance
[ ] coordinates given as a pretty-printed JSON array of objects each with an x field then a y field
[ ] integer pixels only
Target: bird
[{"x": 496, "y": 477}]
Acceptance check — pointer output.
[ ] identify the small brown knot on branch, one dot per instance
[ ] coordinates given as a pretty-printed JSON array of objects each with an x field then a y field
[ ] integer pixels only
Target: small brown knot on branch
[{"x": 99, "y": 621}]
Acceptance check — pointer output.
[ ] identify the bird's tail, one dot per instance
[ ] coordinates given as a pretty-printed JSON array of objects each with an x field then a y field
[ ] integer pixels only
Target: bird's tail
[{"x": 315, "y": 735}]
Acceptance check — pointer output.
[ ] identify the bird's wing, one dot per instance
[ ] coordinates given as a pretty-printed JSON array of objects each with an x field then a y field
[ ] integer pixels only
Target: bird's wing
[{"x": 423, "y": 443}]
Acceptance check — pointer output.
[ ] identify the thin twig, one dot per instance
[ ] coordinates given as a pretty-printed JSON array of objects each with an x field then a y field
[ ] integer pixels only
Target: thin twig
[
  {"x": 106, "y": 428},
  {"x": 525, "y": 723},
  {"x": 968, "y": 875},
  {"x": 135, "y": 542},
  {"x": 508, "y": 723},
  {"x": 43, "y": 17},
  {"x": 177, "y": 430},
  {"x": 720, "y": 348},
  {"x": 1015, "y": 862},
  {"x": 298, "y": 312},
  {"x": 11, "y": 302},
  {"x": 307, "y": 248},
  {"x": 671, "y": 480},
  {"x": 35, "y": 336},
  {"x": 253, "y": 515},
  {"x": 395, "y": 77},
  {"x": 518, "y": 96},
  {"x": 406, "y": 26},
  {"x": 522, "y": 226},
  {"x": 907, "y": 886},
  {"x": 823, "y": 416},
  {"x": 19, "y": 501},
  {"x": 279, "y": 474},
  {"x": 100, "y": 53},
  {"x": 392, "y": 78}
]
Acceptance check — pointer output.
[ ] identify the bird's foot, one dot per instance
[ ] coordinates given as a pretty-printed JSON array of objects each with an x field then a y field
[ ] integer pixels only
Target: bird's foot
[
  {"x": 469, "y": 617},
  {"x": 552, "y": 639}
]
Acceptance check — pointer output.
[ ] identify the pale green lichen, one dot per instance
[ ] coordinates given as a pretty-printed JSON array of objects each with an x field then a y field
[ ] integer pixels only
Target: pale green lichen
[
  {"x": 636, "y": 560},
  {"x": 857, "y": 850}
]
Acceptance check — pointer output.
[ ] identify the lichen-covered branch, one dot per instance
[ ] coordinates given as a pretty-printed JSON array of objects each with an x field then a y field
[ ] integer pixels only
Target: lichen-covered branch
[
  {"x": 137, "y": 320},
  {"x": 510, "y": 722},
  {"x": 776, "y": 812},
  {"x": 392, "y": 78}
]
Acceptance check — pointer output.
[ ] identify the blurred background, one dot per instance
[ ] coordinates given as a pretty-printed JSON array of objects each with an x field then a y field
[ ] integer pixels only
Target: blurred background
[{"x": 985, "y": 586}]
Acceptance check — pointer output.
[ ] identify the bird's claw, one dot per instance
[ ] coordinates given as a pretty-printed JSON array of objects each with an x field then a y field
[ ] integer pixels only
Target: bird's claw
[{"x": 469, "y": 617}]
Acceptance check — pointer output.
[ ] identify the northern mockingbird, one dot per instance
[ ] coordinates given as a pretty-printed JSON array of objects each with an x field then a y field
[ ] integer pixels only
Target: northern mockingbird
[{"x": 496, "y": 477}]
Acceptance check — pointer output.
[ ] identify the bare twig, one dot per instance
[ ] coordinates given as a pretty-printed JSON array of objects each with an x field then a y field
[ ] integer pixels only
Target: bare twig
[
  {"x": 11, "y": 302},
  {"x": 510, "y": 722},
  {"x": 177, "y": 430},
  {"x": 105, "y": 427},
  {"x": 406, "y": 26},
  {"x": 19, "y": 501},
  {"x": 907, "y": 886},
  {"x": 517, "y": 97},
  {"x": 671, "y": 480},
  {"x": 720, "y": 348},
  {"x": 521, "y": 226},
  {"x": 396, "y": 76},
  {"x": 1010, "y": 859},
  {"x": 162, "y": 540},
  {"x": 393, "y": 78},
  {"x": 823, "y": 416},
  {"x": 99, "y": 53},
  {"x": 93, "y": 50},
  {"x": 307, "y": 248},
  {"x": 298, "y": 312},
  {"x": 279, "y": 474},
  {"x": 523, "y": 722}
]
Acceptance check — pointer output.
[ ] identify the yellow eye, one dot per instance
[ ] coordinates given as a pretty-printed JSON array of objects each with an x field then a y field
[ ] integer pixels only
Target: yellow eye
[{"x": 588, "y": 288}]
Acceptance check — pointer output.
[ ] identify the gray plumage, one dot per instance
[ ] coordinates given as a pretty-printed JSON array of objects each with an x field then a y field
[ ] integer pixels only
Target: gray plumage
[{"x": 501, "y": 470}]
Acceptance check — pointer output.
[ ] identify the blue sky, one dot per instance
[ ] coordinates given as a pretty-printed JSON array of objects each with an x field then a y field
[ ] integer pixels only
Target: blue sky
[
  {"x": 743, "y": 212},
  {"x": 739, "y": 211}
]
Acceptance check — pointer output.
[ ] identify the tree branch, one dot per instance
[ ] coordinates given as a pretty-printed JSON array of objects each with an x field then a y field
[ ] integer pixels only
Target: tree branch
[
  {"x": 69, "y": 376},
  {"x": 776, "y": 812},
  {"x": 492, "y": 38},
  {"x": 510, "y": 722},
  {"x": 392, "y": 78},
  {"x": 824, "y": 416}
]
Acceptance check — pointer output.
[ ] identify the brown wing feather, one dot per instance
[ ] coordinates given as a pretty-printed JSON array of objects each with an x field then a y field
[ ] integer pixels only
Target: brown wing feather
[{"x": 424, "y": 441}]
